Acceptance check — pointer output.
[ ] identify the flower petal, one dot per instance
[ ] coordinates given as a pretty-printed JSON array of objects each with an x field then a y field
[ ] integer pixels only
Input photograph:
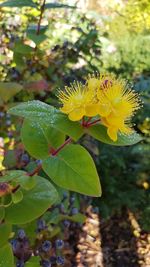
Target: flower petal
[
  {"x": 77, "y": 114},
  {"x": 112, "y": 133},
  {"x": 104, "y": 110},
  {"x": 91, "y": 110}
]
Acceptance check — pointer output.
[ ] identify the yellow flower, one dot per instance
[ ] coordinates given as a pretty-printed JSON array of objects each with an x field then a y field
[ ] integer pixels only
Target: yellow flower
[
  {"x": 102, "y": 95},
  {"x": 117, "y": 104},
  {"x": 77, "y": 102},
  {"x": 115, "y": 125}
]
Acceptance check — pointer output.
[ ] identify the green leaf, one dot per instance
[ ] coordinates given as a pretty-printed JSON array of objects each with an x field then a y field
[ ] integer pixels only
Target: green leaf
[
  {"x": 73, "y": 129},
  {"x": 22, "y": 48},
  {"x": 38, "y": 139},
  {"x": 27, "y": 182},
  {"x": 8, "y": 90},
  {"x": 37, "y": 39},
  {"x": 35, "y": 110},
  {"x": 6, "y": 256},
  {"x": 75, "y": 218},
  {"x": 100, "y": 133},
  {"x": 17, "y": 196},
  {"x": 18, "y": 3},
  {"x": 19, "y": 60},
  {"x": 44, "y": 114},
  {"x": 32, "y": 29},
  {"x": 10, "y": 159},
  {"x": 34, "y": 203},
  {"x": 33, "y": 262},
  {"x": 74, "y": 169},
  {"x": 5, "y": 231},
  {"x": 2, "y": 213},
  {"x": 12, "y": 175},
  {"x": 57, "y": 5}
]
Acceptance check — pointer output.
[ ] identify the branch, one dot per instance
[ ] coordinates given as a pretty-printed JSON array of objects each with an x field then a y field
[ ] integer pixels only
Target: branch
[
  {"x": 68, "y": 141},
  {"x": 92, "y": 123},
  {"x": 36, "y": 170},
  {"x": 40, "y": 18}
]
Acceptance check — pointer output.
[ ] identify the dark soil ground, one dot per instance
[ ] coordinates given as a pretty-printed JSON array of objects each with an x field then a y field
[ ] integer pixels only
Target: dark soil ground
[{"x": 118, "y": 242}]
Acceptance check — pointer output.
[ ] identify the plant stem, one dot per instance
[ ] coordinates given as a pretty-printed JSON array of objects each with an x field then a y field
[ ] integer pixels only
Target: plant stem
[
  {"x": 69, "y": 140},
  {"x": 83, "y": 122},
  {"x": 40, "y": 18},
  {"x": 36, "y": 170},
  {"x": 92, "y": 123},
  {"x": 88, "y": 121}
]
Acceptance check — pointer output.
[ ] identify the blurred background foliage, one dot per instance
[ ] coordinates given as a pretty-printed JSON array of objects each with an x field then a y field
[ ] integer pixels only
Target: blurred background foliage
[{"x": 71, "y": 43}]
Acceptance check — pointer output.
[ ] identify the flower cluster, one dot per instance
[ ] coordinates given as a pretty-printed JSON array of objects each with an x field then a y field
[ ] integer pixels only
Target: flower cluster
[{"x": 105, "y": 96}]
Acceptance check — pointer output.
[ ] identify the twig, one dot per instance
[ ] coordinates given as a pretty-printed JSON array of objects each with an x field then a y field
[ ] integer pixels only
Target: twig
[
  {"x": 69, "y": 140},
  {"x": 92, "y": 123},
  {"x": 36, "y": 170},
  {"x": 40, "y": 18}
]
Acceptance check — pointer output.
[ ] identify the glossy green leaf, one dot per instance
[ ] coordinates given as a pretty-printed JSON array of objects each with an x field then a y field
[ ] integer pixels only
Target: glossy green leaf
[
  {"x": 18, "y": 3},
  {"x": 99, "y": 132},
  {"x": 12, "y": 175},
  {"x": 33, "y": 261},
  {"x": 44, "y": 114},
  {"x": 35, "y": 110},
  {"x": 8, "y": 90},
  {"x": 38, "y": 139},
  {"x": 74, "y": 169},
  {"x": 27, "y": 182},
  {"x": 72, "y": 129},
  {"x": 34, "y": 203},
  {"x": 17, "y": 196},
  {"x": 5, "y": 231},
  {"x": 6, "y": 256},
  {"x": 58, "y": 5}
]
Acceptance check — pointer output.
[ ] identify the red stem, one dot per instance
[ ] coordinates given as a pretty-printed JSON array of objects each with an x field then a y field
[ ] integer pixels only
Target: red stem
[
  {"x": 36, "y": 170},
  {"x": 92, "y": 123},
  {"x": 83, "y": 122},
  {"x": 88, "y": 121},
  {"x": 69, "y": 140}
]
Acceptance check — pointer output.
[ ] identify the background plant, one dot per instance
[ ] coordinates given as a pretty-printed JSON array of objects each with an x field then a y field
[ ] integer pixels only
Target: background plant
[{"x": 60, "y": 57}]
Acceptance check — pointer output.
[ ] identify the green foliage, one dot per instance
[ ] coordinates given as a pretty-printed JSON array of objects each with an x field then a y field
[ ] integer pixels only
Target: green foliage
[
  {"x": 20, "y": 3},
  {"x": 44, "y": 114},
  {"x": 6, "y": 256},
  {"x": 32, "y": 66},
  {"x": 100, "y": 133},
  {"x": 58, "y": 5},
  {"x": 34, "y": 203},
  {"x": 8, "y": 90},
  {"x": 49, "y": 137},
  {"x": 74, "y": 169},
  {"x": 36, "y": 195},
  {"x": 5, "y": 231}
]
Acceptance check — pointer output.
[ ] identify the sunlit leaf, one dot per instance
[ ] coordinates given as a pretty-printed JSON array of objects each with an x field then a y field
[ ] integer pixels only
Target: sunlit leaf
[
  {"x": 38, "y": 139},
  {"x": 74, "y": 169},
  {"x": 100, "y": 133},
  {"x": 34, "y": 203},
  {"x": 18, "y": 3},
  {"x": 42, "y": 113},
  {"x": 8, "y": 90}
]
